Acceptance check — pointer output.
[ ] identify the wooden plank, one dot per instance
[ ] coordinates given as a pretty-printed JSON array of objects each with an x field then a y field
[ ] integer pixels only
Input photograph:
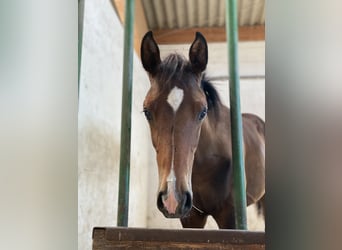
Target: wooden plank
[
  {"x": 140, "y": 238},
  {"x": 213, "y": 34},
  {"x": 119, "y": 6},
  {"x": 140, "y": 24}
]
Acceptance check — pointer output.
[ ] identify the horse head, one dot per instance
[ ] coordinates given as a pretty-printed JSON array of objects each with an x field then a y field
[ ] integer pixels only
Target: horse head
[{"x": 175, "y": 108}]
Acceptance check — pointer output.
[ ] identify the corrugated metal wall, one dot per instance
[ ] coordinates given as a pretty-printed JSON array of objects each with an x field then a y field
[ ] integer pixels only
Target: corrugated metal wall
[{"x": 170, "y": 14}]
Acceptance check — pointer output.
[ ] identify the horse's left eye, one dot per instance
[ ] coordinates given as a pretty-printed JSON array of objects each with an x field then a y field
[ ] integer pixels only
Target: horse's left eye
[
  {"x": 202, "y": 114},
  {"x": 148, "y": 114}
]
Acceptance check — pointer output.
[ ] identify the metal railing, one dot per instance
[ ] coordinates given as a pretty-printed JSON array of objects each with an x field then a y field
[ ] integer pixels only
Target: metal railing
[
  {"x": 125, "y": 143},
  {"x": 240, "y": 203}
]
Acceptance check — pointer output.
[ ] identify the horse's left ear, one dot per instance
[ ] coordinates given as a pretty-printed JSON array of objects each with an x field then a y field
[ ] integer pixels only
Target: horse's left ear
[{"x": 198, "y": 53}]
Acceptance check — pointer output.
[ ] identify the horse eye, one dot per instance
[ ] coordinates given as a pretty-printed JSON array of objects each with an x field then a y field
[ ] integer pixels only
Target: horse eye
[
  {"x": 202, "y": 114},
  {"x": 148, "y": 114}
]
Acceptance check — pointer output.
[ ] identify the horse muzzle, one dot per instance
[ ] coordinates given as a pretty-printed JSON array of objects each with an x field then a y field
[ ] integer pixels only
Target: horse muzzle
[{"x": 173, "y": 204}]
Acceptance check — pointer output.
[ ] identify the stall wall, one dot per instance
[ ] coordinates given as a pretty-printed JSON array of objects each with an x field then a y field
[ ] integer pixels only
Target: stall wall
[{"x": 99, "y": 126}]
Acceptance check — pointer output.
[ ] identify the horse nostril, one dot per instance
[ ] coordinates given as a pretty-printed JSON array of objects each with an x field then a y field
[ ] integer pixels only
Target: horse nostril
[
  {"x": 188, "y": 201},
  {"x": 160, "y": 204}
]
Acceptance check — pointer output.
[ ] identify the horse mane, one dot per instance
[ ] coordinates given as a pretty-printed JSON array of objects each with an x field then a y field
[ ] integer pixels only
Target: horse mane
[
  {"x": 173, "y": 69},
  {"x": 213, "y": 98}
]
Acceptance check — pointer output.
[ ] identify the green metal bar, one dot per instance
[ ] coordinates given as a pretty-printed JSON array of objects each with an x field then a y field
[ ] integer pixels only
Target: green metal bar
[
  {"x": 125, "y": 147},
  {"x": 240, "y": 203},
  {"x": 80, "y": 38}
]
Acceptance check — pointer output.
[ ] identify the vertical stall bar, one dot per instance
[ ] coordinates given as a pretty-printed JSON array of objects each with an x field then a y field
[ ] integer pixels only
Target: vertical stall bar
[
  {"x": 125, "y": 146},
  {"x": 235, "y": 115}
]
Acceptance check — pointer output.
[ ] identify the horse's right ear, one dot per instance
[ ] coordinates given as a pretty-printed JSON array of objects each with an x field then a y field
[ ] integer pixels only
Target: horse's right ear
[{"x": 150, "y": 55}]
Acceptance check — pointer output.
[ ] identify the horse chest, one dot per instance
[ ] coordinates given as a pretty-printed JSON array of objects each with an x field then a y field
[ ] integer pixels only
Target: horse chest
[{"x": 212, "y": 182}]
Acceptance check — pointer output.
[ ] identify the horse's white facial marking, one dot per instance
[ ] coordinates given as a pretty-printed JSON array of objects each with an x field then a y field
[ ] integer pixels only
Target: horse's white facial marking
[
  {"x": 175, "y": 98},
  {"x": 172, "y": 176}
]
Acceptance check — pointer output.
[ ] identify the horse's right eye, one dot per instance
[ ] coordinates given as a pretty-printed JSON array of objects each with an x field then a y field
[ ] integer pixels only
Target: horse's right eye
[
  {"x": 148, "y": 114},
  {"x": 202, "y": 114}
]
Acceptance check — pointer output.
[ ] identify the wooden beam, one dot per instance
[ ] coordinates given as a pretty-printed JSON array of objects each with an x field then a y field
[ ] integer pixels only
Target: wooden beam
[
  {"x": 119, "y": 6},
  {"x": 140, "y": 238},
  {"x": 140, "y": 24},
  {"x": 214, "y": 34}
]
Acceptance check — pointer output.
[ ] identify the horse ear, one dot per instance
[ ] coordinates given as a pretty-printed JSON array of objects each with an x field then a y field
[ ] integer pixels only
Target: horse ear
[
  {"x": 198, "y": 53},
  {"x": 150, "y": 55}
]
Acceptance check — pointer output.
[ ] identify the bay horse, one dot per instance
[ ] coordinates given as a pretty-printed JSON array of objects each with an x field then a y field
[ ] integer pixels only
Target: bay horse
[{"x": 190, "y": 130}]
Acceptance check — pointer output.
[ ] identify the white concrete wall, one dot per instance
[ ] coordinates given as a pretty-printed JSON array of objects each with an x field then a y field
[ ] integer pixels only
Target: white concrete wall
[{"x": 99, "y": 126}]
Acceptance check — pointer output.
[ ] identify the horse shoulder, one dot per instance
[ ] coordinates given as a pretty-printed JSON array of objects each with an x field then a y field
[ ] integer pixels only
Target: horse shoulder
[{"x": 254, "y": 142}]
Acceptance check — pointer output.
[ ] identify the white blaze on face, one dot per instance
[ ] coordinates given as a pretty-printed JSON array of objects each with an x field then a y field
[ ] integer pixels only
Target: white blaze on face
[
  {"x": 172, "y": 176},
  {"x": 175, "y": 98}
]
